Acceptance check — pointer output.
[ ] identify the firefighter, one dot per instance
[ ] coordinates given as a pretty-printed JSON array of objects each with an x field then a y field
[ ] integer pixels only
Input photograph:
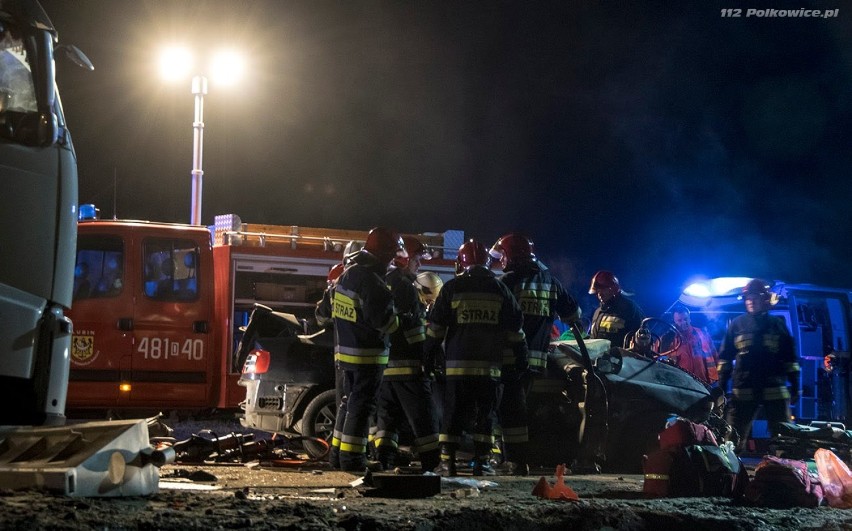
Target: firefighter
[
  {"x": 759, "y": 357},
  {"x": 324, "y": 319},
  {"x": 618, "y": 316},
  {"x": 361, "y": 307},
  {"x": 542, "y": 298},
  {"x": 428, "y": 285},
  {"x": 473, "y": 320},
  {"x": 405, "y": 394}
]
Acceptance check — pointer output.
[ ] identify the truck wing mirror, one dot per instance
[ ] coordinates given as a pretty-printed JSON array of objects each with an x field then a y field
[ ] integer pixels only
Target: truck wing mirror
[{"x": 76, "y": 56}]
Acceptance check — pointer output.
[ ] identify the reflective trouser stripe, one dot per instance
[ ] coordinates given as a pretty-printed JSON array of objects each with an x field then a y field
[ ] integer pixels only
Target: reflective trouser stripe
[
  {"x": 661, "y": 477},
  {"x": 452, "y": 439},
  {"x": 385, "y": 441},
  {"x": 426, "y": 443},
  {"x": 493, "y": 372},
  {"x": 483, "y": 438},
  {"x": 401, "y": 371},
  {"x": 349, "y": 443},
  {"x": 361, "y": 360}
]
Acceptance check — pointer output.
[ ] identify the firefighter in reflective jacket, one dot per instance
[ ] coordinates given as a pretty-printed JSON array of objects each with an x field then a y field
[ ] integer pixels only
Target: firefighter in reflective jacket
[
  {"x": 473, "y": 320},
  {"x": 363, "y": 314},
  {"x": 324, "y": 319},
  {"x": 405, "y": 395},
  {"x": 541, "y": 297},
  {"x": 617, "y": 316},
  {"x": 759, "y": 356}
]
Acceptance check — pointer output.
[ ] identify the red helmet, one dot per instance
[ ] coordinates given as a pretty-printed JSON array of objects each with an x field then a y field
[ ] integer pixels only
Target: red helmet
[
  {"x": 384, "y": 244},
  {"x": 413, "y": 247},
  {"x": 335, "y": 273},
  {"x": 604, "y": 281},
  {"x": 756, "y": 287},
  {"x": 471, "y": 253},
  {"x": 513, "y": 248}
]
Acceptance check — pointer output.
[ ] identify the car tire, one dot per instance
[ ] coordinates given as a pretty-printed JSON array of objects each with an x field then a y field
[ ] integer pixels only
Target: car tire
[{"x": 318, "y": 421}]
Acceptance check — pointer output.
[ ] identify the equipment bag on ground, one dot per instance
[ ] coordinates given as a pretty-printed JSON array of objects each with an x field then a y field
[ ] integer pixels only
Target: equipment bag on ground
[
  {"x": 690, "y": 463},
  {"x": 781, "y": 483}
]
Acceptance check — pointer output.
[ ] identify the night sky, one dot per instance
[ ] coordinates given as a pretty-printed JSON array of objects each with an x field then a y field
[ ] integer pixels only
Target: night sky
[{"x": 659, "y": 141}]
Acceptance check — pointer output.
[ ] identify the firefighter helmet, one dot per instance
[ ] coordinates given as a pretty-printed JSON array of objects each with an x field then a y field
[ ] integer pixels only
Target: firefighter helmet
[
  {"x": 603, "y": 282},
  {"x": 471, "y": 253},
  {"x": 413, "y": 247},
  {"x": 513, "y": 248},
  {"x": 429, "y": 285},
  {"x": 384, "y": 244},
  {"x": 334, "y": 273},
  {"x": 756, "y": 287}
]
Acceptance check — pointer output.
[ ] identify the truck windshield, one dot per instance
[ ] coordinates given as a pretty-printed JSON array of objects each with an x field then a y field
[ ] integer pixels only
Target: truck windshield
[{"x": 17, "y": 91}]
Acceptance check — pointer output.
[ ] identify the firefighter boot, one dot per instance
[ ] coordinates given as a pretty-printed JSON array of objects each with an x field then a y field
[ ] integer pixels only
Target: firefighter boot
[
  {"x": 430, "y": 460},
  {"x": 482, "y": 466},
  {"x": 447, "y": 467},
  {"x": 386, "y": 456},
  {"x": 516, "y": 463},
  {"x": 334, "y": 457}
]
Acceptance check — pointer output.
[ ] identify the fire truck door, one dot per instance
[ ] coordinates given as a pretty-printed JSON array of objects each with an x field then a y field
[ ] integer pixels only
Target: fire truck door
[
  {"x": 172, "y": 354},
  {"x": 102, "y": 304}
]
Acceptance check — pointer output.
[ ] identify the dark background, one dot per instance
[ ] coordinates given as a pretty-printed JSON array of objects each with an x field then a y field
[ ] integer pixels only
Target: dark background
[{"x": 658, "y": 140}]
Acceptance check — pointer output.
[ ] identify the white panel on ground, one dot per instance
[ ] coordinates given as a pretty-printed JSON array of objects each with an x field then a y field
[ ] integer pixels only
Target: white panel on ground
[{"x": 106, "y": 458}]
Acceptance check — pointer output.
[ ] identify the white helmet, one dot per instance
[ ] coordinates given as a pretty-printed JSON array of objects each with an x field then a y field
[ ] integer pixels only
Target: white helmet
[
  {"x": 352, "y": 248},
  {"x": 429, "y": 285}
]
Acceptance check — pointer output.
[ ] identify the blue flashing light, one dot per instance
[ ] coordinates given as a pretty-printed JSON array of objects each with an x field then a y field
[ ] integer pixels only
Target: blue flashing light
[
  {"x": 88, "y": 211},
  {"x": 717, "y": 287},
  {"x": 697, "y": 289}
]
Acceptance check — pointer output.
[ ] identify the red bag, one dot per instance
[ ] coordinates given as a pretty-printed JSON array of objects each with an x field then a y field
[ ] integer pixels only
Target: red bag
[
  {"x": 683, "y": 432},
  {"x": 656, "y": 467}
]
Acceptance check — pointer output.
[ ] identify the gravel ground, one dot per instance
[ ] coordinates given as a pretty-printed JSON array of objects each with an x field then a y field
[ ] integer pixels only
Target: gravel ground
[
  {"x": 307, "y": 498},
  {"x": 300, "y": 495}
]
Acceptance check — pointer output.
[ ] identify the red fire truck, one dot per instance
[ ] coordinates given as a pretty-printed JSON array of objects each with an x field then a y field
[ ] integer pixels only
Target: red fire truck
[{"x": 157, "y": 307}]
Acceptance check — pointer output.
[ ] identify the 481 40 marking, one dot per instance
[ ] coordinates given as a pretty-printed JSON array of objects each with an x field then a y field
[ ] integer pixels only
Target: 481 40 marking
[{"x": 155, "y": 348}]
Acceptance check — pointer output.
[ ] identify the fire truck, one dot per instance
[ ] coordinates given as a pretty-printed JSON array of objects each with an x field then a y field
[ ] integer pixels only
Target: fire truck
[
  {"x": 818, "y": 317},
  {"x": 158, "y": 308}
]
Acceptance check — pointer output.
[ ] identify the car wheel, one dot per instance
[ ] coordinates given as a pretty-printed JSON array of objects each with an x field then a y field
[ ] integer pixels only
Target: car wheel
[{"x": 318, "y": 421}]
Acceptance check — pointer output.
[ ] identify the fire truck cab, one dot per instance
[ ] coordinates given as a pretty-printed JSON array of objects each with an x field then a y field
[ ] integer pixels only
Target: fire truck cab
[{"x": 159, "y": 308}]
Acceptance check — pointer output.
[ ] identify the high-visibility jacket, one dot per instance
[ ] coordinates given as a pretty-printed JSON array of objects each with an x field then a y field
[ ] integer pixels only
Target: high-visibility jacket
[
  {"x": 696, "y": 353},
  {"x": 406, "y": 343},
  {"x": 361, "y": 306},
  {"x": 542, "y": 298},
  {"x": 615, "y": 319},
  {"x": 759, "y": 355},
  {"x": 476, "y": 316}
]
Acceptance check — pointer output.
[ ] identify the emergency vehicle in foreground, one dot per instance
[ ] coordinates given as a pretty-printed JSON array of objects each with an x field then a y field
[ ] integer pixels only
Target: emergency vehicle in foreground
[
  {"x": 158, "y": 308},
  {"x": 818, "y": 317},
  {"x": 38, "y": 213}
]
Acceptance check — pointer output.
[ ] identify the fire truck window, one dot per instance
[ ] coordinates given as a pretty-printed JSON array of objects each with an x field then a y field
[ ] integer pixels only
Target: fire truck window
[
  {"x": 99, "y": 272},
  {"x": 171, "y": 270}
]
